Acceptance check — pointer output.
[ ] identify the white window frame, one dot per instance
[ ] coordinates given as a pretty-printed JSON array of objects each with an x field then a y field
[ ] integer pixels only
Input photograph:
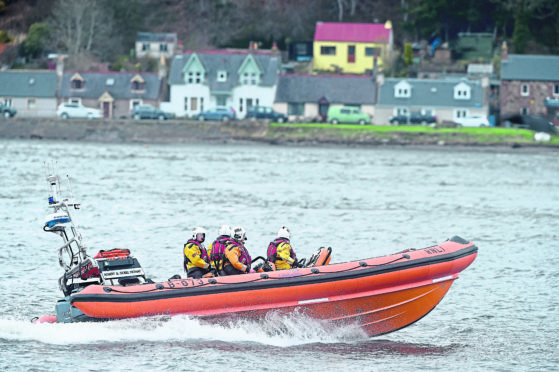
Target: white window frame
[
  {"x": 462, "y": 91},
  {"x": 138, "y": 102},
  {"x": 524, "y": 111},
  {"x": 401, "y": 111},
  {"x": 402, "y": 90},
  {"x": 460, "y": 113},
  {"x": 222, "y": 76},
  {"x": 524, "y": 89}
]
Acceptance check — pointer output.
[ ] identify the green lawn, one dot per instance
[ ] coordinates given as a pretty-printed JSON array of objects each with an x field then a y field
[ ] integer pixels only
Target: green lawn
[{"x": 408, "y": 132}]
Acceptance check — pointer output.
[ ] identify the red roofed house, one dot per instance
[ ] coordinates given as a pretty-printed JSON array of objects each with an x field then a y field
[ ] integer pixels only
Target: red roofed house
[{"x": 351, "y": 47}]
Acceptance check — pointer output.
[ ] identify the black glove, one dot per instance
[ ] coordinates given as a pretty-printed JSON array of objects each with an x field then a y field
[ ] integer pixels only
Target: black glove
[{"x": 295, "y": 263}]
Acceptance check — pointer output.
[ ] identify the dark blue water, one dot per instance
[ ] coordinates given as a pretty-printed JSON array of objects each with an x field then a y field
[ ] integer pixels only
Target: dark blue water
[{"x": 501, "y": 314}]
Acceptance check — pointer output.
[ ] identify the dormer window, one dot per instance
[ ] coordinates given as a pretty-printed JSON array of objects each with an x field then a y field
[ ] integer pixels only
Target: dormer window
[
  {"x": 194, "y": 77},
  {"x": 77, "y": 81},
  {"x": 402, "y": 90},
  {"x": 222, "y": 76},
  {"x": 253, "y": 80},
  {"x": 462, "y": 91},
  {"x": 138, "y": 83}
]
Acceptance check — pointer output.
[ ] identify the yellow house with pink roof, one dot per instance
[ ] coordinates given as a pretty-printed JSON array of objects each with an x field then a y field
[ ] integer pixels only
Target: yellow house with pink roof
[{"x": 350, "y": 48}]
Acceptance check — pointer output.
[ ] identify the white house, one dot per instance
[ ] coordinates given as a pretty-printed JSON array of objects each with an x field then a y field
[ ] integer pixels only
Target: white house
[
  {"x": 206, "y": 79},
  {"x": 155, "y": 45}
]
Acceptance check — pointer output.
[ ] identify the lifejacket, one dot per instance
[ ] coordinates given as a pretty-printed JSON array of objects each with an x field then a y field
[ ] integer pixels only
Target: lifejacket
[
  {"x": 218, "y": 250},
  {"x": 245, "y": 258},
  {"x": 203, "y": 252},
  {"x": 273, "y": 249}
]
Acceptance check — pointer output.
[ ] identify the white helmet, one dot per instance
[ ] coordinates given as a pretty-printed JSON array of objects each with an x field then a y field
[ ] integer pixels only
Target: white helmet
[
  {"x": 239, "y": 234},
  {"x": 284, "y": 233},
  {"x": 199, "y": 234},
  {"x": 224, "y": 230}
]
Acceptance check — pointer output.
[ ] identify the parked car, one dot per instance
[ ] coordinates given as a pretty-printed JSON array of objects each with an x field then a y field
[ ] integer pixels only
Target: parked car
[
  {"x": 413, "y": 118},
  {"x": 532, "y": 122},
  {"x": 473, "y": 121},
  {"x": 261, "y": 112},
  {"x": 349, "y": 115},
  {"x": 7, "y": 112},
  {"x": 149, "y": 112},
  {"x": 217, "y": 113},
  {"x": 77, "y": 110}
]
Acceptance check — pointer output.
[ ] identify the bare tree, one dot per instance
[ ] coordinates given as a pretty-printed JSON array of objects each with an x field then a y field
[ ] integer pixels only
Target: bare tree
[{"x": 81, "y": 27}]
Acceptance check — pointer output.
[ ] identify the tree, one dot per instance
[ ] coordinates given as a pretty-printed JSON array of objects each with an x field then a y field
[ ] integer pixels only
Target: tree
[
  {"x": 36, "y": 38},
  {"x": 81, "y": 27}
]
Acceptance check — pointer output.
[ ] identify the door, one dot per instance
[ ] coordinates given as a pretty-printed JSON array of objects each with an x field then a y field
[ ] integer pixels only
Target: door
[
  {"x": 351, "y": 54},
  {"x": 323, "y": 106},
  {"x": 106, "y": 110}
]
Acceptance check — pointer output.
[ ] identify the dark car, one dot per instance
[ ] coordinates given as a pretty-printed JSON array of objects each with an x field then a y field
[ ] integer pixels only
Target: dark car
[
  {"x": 7, "y": 112},
  {"x": 261, "y": 112},
  {"x": 217, "y": 113},
  {"x": 532, "y": 122},
  {"x": 150, "y": 112},
  {"x": 414, "y": 118}
]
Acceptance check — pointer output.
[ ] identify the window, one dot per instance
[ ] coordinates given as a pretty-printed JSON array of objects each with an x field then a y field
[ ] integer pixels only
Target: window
[
  {"x": 460, "y": 113},
  {"x": 524, "y": 111},
  {"x": 201, "y": 103},
  {"x": 221, "y": 100},
  {"x": 245, "y": 78},
  {"x": 190, "y": 77},
  {"x": 524, "y": 89},
  {"x": 221, "y": 76},
  {"x": 163, "y": 47},
  {"x": 249, "y": 102},
  {"x": 77, "y": 84},
  {"x": 193, "y": 104},
  {"x": 240, "y": 105},
  {"x": 31, "y": 104},
  {"x": 8, "y": 102},
  {"x": 198, "y": 77},
  {"x": 402, "y": 90},
  {"x": 556, "y": 90},
  {"x": 351, "y": 53},
  {"x": 328, "y": 50},
  {"x": 295, "y": 108},
  {"x": 371, "y": 52},
  {"x": 145, "y": 47},
  {"x": 462, "y": 91},
  {"x": 253, "y": 78},
  {"x": 137, "y": 85},
  {"x": 402, "y": 111},
  {"x": 185, "y": 103}
]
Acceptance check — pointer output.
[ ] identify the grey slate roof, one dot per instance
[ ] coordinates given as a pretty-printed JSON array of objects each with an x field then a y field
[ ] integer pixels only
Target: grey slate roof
[
  {"x": 530, "y": 67},
  {"x": 96, "y": 84},
  {"x": 344, "y": 89},
  {"x": 430, "y": 93},
  {"x": 153, "y": 37},
  {"x": 229, "y": 61},
  {"x": 39, "y": 84}
]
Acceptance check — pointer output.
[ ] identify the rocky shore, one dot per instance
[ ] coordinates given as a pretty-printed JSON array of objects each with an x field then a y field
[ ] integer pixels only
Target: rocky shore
[{"x": 183, "y": 131}]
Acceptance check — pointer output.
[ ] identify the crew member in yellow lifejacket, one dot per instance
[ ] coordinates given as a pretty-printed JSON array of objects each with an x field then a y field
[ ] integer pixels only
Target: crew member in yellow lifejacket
[
  {"x": 237, "y": 259},
  {"x": 280, "y": 251},
  {"x": 196, "y": 260}
]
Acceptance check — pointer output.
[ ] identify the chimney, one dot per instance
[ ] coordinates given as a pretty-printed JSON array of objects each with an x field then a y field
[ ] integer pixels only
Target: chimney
[
  {"x": 162, "y": 67},
  {"x": 504, "y": 52},
  {"x": 59, "y": 66}
]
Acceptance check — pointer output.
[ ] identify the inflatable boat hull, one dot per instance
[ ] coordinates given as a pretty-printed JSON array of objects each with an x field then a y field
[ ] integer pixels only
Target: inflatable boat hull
[{"x": 380, "y": 294}]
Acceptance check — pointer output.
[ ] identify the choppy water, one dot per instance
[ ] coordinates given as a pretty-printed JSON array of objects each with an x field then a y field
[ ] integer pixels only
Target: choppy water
[{"x": 501, "y": 315}]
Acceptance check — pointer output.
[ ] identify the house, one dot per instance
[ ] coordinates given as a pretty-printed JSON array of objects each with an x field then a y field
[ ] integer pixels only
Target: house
[
  {"x": 155, "y": 45},
  {"x": 31, "y": 93},
  {"x": 350, "y": 48},
  {"x": 310, "y": 96},
  {"x": 207, "y": 79},
  {"x": 115, "y": 93},
  {"x": 530, "y": 85},
  {"x": 447, "y": 99}
]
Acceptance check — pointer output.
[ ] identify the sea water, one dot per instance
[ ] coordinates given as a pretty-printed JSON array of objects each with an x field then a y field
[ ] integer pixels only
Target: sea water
[{"x": 500, "y": 315}]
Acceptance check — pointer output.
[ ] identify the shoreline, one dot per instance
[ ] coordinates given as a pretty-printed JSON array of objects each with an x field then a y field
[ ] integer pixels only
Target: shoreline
[{"x": 240, "y": 131}]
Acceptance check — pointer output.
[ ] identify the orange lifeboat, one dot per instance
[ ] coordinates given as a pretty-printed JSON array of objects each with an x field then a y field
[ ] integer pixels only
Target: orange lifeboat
[{"x": 381, "y": 294}]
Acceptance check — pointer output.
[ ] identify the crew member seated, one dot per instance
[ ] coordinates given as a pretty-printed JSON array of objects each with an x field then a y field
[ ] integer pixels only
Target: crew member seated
[
  {"x": 216, "y": 249},
  {"x": 237, "y": 259},
  {"x": 280, "y": 251},
  {"x": 196, "y": 260}
]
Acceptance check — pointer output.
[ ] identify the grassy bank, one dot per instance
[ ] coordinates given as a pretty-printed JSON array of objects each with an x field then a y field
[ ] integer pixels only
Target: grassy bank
[{"x": 412, "y": 134}]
